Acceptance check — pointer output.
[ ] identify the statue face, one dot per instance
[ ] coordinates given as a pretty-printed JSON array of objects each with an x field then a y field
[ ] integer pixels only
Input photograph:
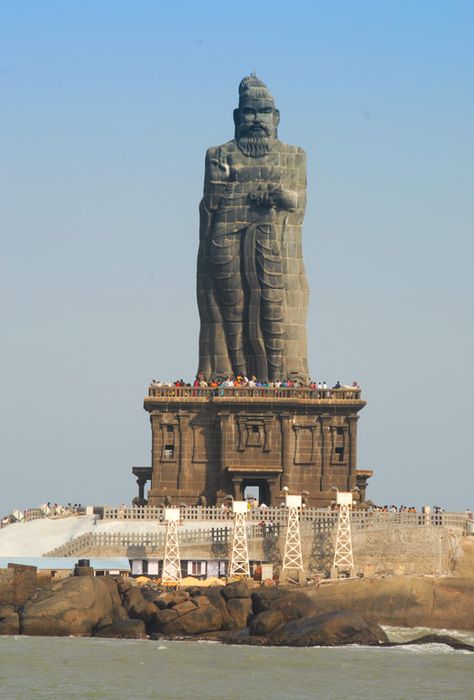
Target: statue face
[{"x": 256, "y": 118}]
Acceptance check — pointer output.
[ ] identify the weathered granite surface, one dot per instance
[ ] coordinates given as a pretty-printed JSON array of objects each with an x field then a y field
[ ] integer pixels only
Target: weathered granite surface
[
  {"x": 239, "y": 614},
  {"x": 252, "y": 288}
]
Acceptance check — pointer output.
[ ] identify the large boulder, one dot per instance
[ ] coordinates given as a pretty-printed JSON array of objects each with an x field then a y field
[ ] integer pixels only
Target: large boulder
[
  {"x": 201, "y": 601},
  {"x": 265, "y": 622},
  {"x": 171, "y": 598},
  {"x": 137, "y": 606},
  {"x": 236, "y": 589},
  {"x": 123, "y": 629},
  {"x": 405, "y": 601},
  {"x": 184, "y": 607},
  {"x": 263, "y": 598},
  {"x": 162, "y": 617},
  {"x": 200, "y": 620},
  {"x": 10, "y": 624},
  {"x": 77, "y": 605},
  {"x": 217, "y": 601},
  {"x": 294, "y": 605},
  {"x": 329, "y": 629},
  {"x": 240, "y": 609}
]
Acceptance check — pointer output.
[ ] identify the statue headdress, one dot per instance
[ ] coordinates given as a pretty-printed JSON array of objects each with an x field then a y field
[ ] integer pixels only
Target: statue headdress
[{"x": 252, "y": 88}]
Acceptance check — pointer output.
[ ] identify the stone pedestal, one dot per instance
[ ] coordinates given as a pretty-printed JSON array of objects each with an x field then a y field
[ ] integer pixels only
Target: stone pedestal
[{"x": 215, "y": 443}]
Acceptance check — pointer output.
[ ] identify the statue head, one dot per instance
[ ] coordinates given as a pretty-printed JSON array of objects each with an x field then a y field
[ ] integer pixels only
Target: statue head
[{"x": 256, "y": 119}]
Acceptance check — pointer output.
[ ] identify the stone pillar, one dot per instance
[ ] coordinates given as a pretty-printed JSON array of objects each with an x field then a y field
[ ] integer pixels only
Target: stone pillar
[
  {"x": 352, "y": 448},
  {"x": 237, "y": 484},
  {"x": 274, "y": 490},
  {"x": 285, "y": 450},
  {"x": 156, "y": 447},
  {"x": 326, "y": 447},
  {"x": 225, "y": 425},
  {"x": 141, "y": 481},
  {"x": 183, "y": 463},
  {"x": 267, "y": 427}
]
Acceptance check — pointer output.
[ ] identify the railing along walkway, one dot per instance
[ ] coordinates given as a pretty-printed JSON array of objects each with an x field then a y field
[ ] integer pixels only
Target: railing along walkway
[
  {"x": 264, "y": 527},
  {"x": 322, "y": 517},
  {"x": 155, "y": 540},
  {"x": 189, "y": 392}
]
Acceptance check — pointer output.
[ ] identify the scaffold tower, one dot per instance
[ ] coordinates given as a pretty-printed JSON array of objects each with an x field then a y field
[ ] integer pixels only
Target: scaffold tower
[
  {"x": 239, "y": 559},
  {"x": 171, "y": 564},
  {"x": 343, "y": 557},
  {"x": 293, "y": 560}
]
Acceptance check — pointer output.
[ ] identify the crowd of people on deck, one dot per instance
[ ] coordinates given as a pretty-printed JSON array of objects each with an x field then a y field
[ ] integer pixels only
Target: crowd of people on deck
[
  {"x": 244, "y": 382},
  {"x": 393, "y": 509}
]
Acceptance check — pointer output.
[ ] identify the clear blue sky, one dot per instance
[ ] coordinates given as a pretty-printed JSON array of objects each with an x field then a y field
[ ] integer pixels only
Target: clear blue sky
[{"x": 106, "y": 110}]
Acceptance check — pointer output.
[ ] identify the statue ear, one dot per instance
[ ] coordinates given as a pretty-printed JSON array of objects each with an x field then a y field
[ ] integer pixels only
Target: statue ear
[
  {"x": 277, "y": 118},
  {"x": 236, "y": 117}
]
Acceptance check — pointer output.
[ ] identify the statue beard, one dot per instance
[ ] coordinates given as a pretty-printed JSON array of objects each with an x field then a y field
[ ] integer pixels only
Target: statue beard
[{"x": 254, "y": 145}]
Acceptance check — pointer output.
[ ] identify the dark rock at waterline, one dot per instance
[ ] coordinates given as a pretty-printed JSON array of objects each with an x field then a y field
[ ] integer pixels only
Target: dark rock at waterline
[
  {"x": 438, "y": 639},
  {"x": 10, "y": 624},
  {"x": 329, "y": 629},
  {"x": 123, "y": 629},
  {"x": 77, "y": 605},
  {"x": 197, "y": 621},
  {"x": 265, "y": 622}
]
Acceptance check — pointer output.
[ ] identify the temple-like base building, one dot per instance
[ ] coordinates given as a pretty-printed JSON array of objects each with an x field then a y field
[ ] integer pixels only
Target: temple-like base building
[{"x": 214, "y": 443}]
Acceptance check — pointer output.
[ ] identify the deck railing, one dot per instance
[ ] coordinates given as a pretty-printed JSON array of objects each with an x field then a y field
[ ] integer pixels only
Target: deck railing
[
  {"x": 155, "y": 540},
  {"x": 188, "y": 392},
  {"x": 322, "y": 517},
  {"x": 259, "y": 528}
]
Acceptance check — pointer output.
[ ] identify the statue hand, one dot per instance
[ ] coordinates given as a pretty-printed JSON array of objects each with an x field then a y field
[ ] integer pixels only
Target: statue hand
[
  {"x": 220, "y": 168},
  {"x": 279, "y": 198},
  {"x": 274, "y": 197}
]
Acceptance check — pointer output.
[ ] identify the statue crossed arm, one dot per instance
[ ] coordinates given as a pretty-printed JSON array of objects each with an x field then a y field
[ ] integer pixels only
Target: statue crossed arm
[{"x": 252, "y": 290}]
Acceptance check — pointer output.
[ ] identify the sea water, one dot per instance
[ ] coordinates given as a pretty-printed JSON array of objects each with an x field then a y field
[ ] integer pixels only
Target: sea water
[{"x": 50, "y": 667}]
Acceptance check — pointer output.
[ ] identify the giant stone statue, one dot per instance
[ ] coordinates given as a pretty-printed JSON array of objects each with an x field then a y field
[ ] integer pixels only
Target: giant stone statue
[{"x": 251, "y": 283}]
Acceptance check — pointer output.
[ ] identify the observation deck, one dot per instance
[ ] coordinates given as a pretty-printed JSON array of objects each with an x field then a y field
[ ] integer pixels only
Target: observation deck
[{"x": 347, "y": 396}]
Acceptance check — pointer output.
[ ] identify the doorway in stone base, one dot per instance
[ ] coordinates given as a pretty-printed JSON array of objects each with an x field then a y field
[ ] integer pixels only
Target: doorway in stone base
[{"x": 257, "y": 489}]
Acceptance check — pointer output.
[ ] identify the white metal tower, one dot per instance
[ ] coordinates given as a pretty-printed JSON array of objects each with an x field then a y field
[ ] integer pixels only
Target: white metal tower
[
  {"x": 239, "y": 559},
  {"x": 343, "y": 557},
  {"x": 293, "y": 560},
  {"x": 171, "y": 564}
]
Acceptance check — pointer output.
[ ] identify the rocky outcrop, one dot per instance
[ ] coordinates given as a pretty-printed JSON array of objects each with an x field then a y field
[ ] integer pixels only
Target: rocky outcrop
[
  {"x": 406, "y": 601},
  {"x": 265, "y": 622},
  {"x": 240, "y": 610},
  {"x": 124, "y": 629},
  {"x": 329, "y": 629},
  {"x": 17, "y": 584},
  {"x": 137, "y": 606},
  {"x": 9, "y": 620},
  {"x": 78, "y": 605},
  {"x": 193, "y": 622},
  {"x": 340, "y": 612}
]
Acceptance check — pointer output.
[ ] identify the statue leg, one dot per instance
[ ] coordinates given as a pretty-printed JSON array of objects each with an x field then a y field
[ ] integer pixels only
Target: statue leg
[
  {"x": 270, "y": 277},
  {"x": 225, "y": 258}
]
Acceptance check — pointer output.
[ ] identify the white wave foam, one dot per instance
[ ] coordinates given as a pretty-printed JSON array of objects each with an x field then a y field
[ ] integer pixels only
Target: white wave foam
[{"x": 407, "y": 634}]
